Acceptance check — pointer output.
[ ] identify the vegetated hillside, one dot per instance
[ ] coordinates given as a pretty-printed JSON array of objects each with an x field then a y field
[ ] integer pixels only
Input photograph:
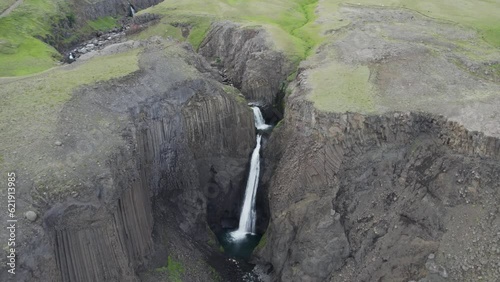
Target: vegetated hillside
[
  {"x": 287, "y": 21},
  {"x": 386, "y": 157},
  {"x": 20, "y": 51},
  {"x": 5, "y": 5},
  {"x": 111, "y": 144},
  {"x": 291, "y": 23},
  {"x": 30, "y": 34}
]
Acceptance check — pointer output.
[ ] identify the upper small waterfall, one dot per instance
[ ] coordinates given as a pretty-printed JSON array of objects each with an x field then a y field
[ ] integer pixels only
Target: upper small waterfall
[
  {"x": 248, "y": 215},
  {"x": 260, "y": 123}
]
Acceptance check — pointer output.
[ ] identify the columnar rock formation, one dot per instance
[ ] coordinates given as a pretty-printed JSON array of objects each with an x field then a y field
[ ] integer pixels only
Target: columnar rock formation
[
  {"x": 93, "y": 244},
  {"x": 378, "y": 173},
  {"x": 363, "y": 187},
  {"x": 353, "y": 192},
  {"x": 152, "y": 144}
]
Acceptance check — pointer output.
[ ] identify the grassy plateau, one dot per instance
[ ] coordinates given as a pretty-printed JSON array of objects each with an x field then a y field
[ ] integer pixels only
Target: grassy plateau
[
  {"x": 30, "y": 104},
  {"x": 291, "y": 24},
  {"x": 296, "y": 27}
]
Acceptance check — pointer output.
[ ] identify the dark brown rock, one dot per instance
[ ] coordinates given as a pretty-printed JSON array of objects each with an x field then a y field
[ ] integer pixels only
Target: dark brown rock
[
  {"x": 363, "y": 198},
  {"x": 140, "y": 151},
  {"x": 248, "y": 59}
]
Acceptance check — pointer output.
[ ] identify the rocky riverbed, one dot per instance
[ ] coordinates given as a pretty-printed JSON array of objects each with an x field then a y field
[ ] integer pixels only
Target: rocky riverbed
[{"x": 115, "y": 35}]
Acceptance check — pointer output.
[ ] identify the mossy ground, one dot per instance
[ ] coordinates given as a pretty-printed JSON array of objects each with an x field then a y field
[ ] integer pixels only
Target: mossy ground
[
  {"x": 235, "y": 93},
  {"x": 27, "y": 96},
  {"x": 174, "y": 269},
  {"x": 5, "y": 4},
  {"x": 480, "y": 15},
  {"x": 289, "y": 22},
  {"x": 103, "y": 24},
  {"x": 343, "y": 88},
  {"x": 262, "y": 241},
  {"x": 31, "y": 104},
  {"x": 340, "y": 86},
  {"x": 214, "y": 274},
  {"x": 22, "y": 52}
]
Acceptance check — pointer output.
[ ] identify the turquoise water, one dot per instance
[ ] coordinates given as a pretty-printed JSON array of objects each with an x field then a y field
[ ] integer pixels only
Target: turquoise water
[{"x": 241, "y": 248}]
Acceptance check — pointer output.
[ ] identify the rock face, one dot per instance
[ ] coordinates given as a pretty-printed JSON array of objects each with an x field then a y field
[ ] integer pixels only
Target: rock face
[
  {"x": 159, "y": 156},
  {"x": 378, "y": 172},
  {"x": 248, "y": 59},
  {"x": 368, "y": 198},
  {"x": 396, "y": 192},
  {"x": 203, "y": 152},
  {"x": 103, "y": 8},
  {"x": 144, "y": 147},
  {"x": 69, "y": 32}
]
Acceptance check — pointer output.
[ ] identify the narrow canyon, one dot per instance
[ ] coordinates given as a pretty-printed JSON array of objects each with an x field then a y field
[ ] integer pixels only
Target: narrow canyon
[{"x": 371, "y": 155}]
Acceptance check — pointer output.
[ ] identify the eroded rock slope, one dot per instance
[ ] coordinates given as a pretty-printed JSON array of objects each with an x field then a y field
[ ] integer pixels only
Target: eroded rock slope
[
  {"x": 248, "y": 60},
  {"x": 386, "y": 164},
  {"x": 132, "y": 159},
  {"x": 364, "y": 198}
]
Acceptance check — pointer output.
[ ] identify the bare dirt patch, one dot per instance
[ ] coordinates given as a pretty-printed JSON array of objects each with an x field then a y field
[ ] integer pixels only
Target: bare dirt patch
[{"x": 414, "y": 63}]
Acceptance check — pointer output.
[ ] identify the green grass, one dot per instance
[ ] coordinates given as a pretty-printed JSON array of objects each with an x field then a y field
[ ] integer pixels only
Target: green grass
[
  {"x": 174, "y": 269},
  {"x": 235, "y": 93},
  {"x": 496, "y": 68},
  {"x": 5, "y": 4},
  {"x": 25, "y": 55},
  {"x": 212, "y": 238},
  {"x": 492, "y": 35},
  {"x": 278, "y": 125},
  {"x": 481, "y": 15},
  {"x": 30, "y": 109},
  {"x": 56, "y": 85},
  {"x": 341, "y": 88},
  {"x": 214, "y": 274},
  {"x": 263, "y": 239},
  {"x": 20, "y": 52},
  {"x": 198, "y": 32},
  {"x": 32, "y": 102},
  {"x": 103, "y": 24},
  {"x": 162, "y": 29},
  {"x": 289, "y": 21}
]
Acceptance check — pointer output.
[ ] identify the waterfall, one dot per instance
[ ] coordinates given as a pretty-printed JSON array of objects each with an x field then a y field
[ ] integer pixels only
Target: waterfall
[
  {"x": 248, "y": 212},
  {"x": 260, "y": 123}
]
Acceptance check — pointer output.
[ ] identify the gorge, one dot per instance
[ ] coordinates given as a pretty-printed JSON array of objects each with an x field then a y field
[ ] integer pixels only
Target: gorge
[
  {"x": 241, "y": 242},
  {"x": 149, "y": 159}
]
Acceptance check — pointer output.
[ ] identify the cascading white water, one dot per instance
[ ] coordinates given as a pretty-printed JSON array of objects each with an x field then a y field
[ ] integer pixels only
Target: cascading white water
[
  {"x": 248, "y": 212},
  {"x": 260, "y": 123}
]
